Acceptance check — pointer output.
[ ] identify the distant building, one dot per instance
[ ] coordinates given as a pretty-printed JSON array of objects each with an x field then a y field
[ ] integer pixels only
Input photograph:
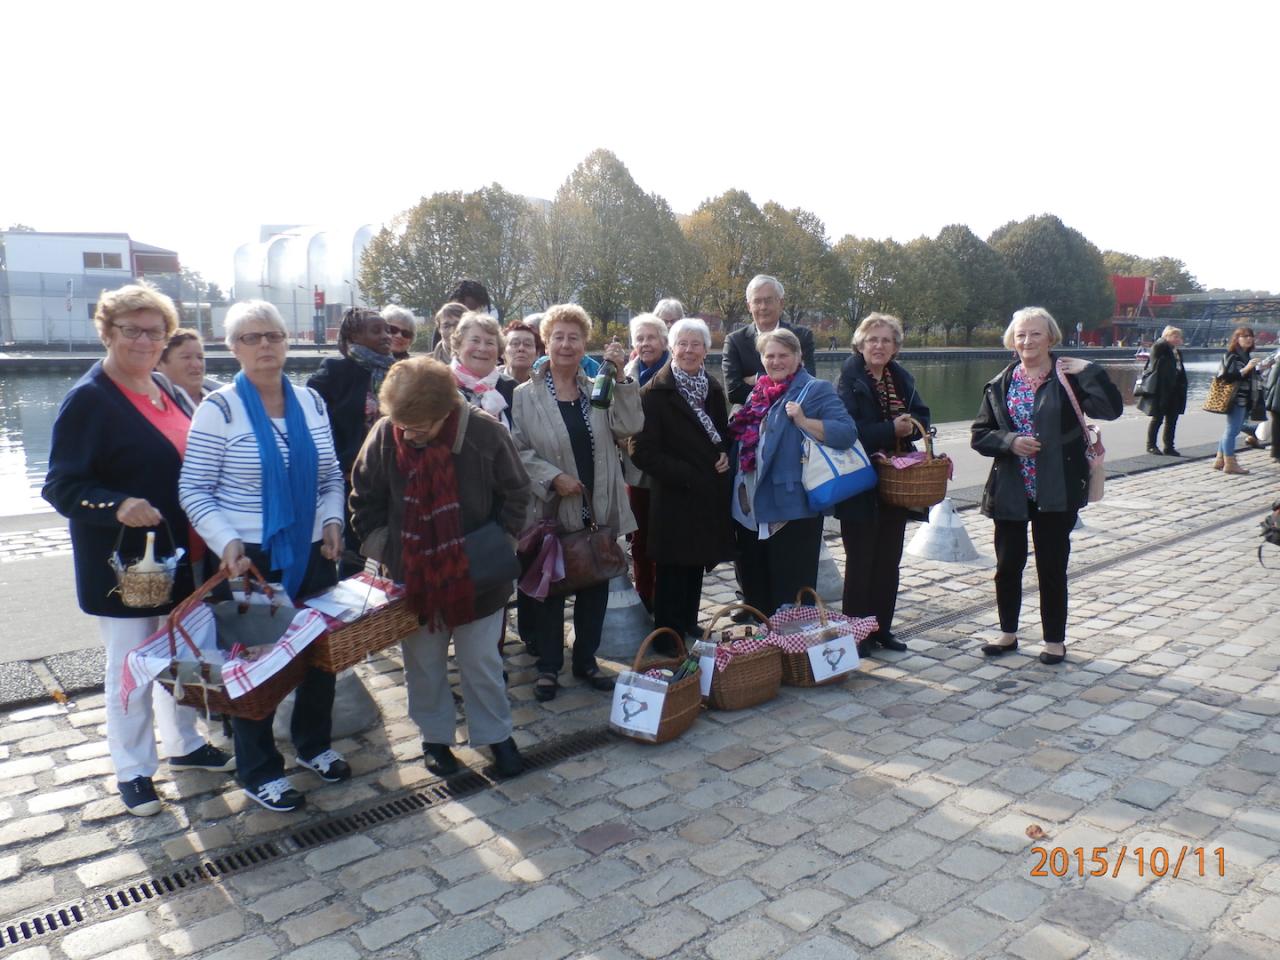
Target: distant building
[{"x": 50, "y": 282}]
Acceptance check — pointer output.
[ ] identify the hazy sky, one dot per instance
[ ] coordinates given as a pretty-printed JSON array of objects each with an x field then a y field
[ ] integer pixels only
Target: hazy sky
[{"x": 1149, "y": 127}]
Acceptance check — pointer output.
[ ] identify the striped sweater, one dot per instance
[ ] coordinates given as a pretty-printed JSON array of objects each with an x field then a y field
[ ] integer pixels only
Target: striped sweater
[{"x": 221, "y": 482}]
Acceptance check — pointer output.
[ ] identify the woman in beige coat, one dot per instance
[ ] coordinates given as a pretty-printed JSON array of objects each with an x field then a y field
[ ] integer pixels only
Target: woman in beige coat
[{"x": 568, "y": 447}]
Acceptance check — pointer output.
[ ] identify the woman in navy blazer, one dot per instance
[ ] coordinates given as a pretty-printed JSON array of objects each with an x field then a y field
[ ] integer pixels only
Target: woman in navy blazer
[{"x": 778, "y": 536}]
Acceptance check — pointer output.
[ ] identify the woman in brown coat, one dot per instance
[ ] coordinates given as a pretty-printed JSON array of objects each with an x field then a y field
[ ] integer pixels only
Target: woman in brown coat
[{"x": 684, "y": 450}]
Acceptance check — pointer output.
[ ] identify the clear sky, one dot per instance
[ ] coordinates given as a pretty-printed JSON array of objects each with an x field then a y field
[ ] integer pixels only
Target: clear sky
[{"x": 1149, "y": 127}]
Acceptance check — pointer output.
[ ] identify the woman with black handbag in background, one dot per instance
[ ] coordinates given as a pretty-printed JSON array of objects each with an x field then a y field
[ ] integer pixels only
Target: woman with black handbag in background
[{"x": 1164, "y": 396}]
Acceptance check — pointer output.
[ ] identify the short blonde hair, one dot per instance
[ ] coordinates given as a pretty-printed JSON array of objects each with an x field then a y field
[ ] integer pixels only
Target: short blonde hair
[
  {"x": 1169, "y": 330},
  {"x": 1034, "y": 313},
  {"x": 450, "y": 311},
  {"x": 418, "y": 390},
  {"x": 564, "y": 313},
  {"x": 783, "y": 336},
  {"x": 873, "y": 320},
  {"x": 473, "y": 318},
  {"x": 130, "y": 299}
]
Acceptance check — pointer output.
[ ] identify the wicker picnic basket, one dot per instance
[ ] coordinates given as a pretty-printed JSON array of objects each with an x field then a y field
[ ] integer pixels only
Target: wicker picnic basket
[
  {"x": 345, "y": 646},
  {"x": 748, "y": 679},
  {"x": 684, "y": 697},
  {"x": 919, "y": 486},
  {"x": 143, "y": 589},
  {"x": 796, "y": 670},
  {"x": 210, "y": 696}
]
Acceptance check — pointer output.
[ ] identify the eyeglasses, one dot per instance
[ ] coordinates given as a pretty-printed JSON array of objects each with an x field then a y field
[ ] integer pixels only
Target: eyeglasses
[
  {"x": 253, "y": 339},
  {"x": 399, "y": 331},
  {"x": 133, "y": 333}
]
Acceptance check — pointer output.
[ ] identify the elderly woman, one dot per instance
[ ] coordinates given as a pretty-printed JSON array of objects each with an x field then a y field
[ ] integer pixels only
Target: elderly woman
[
  {"x": 648, "y": 355},
  {"x": 1238, "y": 366},
  {"x": 1167, "y": 399},
  {"x": 568, "y": 447},
  {"x": 261, "y": 483},
  {"x": 669, "y": 310},
  {"x": 1040, "y": 476},
  {"x": 881, "y": 397},
  {"x": 118, "y": 444},
  {"x": 523, "y": 347},
  {"x": 446, "y": 321},
  {"x": 476, "y": 347},
  {"x": 778, "y": 535},
  {"x": 402, "y": 328},
  {"x": 431, "y": 474},
  {"x": 182, "y": 361},
  {"x": 683, "y": 450}
]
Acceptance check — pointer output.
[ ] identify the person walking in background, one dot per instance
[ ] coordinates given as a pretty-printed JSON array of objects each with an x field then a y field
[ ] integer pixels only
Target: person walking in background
[
  {"x": 1239, "y": 366},
  {"x": 881, "y": 397},
  {"x": 1040, "y": 476},
  {"x": 1166, "y": 399},
  {"x": 402, "y": 327},
  {"x": 741, "y": 363}
]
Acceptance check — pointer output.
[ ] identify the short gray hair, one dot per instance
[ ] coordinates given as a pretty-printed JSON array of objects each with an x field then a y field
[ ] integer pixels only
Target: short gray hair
[
  {"x": 783, "y": 336},
  {"x": 397, "y": 314},
  {"x": 249, "y": 311},
  {"x": 873, "y": 320},
  {"x": 476, "y": 318},
  {"x": 1034, "y": 313},
  {"x": 689, "y": 324},
  {"x": 759, "y": 280},
  {"x": 669, "y": 310},
  {"x": 642, "y": 320}
]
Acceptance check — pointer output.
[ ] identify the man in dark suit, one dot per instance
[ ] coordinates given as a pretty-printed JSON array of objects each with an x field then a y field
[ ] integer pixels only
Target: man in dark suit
[{"x": 741, "y": 362}]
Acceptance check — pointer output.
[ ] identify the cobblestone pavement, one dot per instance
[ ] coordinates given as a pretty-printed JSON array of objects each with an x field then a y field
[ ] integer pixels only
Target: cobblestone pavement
[{"x": 886, "y": 817}]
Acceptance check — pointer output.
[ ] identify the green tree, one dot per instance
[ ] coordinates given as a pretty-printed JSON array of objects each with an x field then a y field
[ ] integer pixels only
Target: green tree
[
  {"x": 556, "y": 248},
  {"x": 1059, "y": 270},
  {"x": 418, "y": 258},
  {"x": 200, "y": 288},
  {"x": 728, "y": 233},
  {"x": 988, "y": 285},
  {"x": 868, "y": 272},
  {"x": 930, "y": 292},
  {"x": 499, "y": 244},
  {"x": 797, "y": 252},
  {"x": 662, "y": 252}
]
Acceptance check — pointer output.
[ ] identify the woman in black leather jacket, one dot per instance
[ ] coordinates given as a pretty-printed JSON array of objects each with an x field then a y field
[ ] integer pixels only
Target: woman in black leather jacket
[{"x": 1238, "y": 366}]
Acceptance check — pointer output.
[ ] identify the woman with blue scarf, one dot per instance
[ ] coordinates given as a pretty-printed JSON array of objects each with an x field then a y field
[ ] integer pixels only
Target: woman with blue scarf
[
  {"x": 261, "y": 483},
  {"x": 649, "y": 354}
]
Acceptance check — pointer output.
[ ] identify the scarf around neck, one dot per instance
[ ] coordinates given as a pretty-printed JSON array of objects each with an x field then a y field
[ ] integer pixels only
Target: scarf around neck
[
  {"x": 644, "y": 374},
  {"x": 694, "y": 387},
  {"x": 288, "y": 492},
  {"x": 482, "y": 391},
  {"x": 376, "y": 363},
  {"x": 745, "y": 424},
  {"x": 437, "y": 575}
]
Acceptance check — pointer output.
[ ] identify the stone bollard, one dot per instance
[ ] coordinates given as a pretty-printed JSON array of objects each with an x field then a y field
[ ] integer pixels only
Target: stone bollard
[
  {"x": 626, "y": 622},
  {"x": 830, "y": 585},
  {"x": 943, "y": 537}
]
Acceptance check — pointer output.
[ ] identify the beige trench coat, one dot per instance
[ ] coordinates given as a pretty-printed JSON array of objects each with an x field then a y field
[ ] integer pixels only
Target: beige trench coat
[{"x": 543, "y": 442}]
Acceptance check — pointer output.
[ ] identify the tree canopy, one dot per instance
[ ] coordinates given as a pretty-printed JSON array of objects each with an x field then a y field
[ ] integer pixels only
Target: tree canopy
[{"x": 1058, "y": 269}]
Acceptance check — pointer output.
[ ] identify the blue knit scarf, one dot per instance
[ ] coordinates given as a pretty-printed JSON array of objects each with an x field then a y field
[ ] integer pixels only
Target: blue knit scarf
[{"x": 288, "y": 493}]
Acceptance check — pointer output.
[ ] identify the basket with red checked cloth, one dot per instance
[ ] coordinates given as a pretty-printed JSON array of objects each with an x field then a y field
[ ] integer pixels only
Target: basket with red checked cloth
[
  {"x": 363, "y": 614},
  {"x": 804, "y": 634},
  {"x": 248, "y": 679},
  {"x": 747, "y": 669}
]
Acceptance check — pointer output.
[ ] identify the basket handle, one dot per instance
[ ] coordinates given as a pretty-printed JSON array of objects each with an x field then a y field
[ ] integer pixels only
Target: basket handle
[
  {"x": 173, "y": 544},
  {"x": 729, "y": 608},
  {"x": 817, "y": 602},
  {"x": 177, "y": 614},
  {"x": 635, "y": 664},
  {"x": 926, "y": 434}
]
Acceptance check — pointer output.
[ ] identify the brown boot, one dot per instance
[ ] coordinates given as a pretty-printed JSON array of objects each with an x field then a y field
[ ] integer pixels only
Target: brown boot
[
  {"x": 1231, "y": 466},
  {"x": 1218, "y": 461}
]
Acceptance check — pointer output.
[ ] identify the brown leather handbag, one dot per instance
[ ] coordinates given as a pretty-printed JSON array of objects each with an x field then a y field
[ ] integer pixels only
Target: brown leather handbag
[{"x": 591, "y": 556}]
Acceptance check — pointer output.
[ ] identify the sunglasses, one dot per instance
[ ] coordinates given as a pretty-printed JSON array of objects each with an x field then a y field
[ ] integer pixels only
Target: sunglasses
[{"x": 399, "y": 331}]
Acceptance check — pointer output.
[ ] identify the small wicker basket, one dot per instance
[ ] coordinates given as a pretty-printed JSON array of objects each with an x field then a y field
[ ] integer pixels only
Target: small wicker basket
[
  {"x": 748, "y": 679},
  {"x": 796, "y": 669},
  {"x": 342, "y": 647},
  {"x": 919, "y": 486},
  {"x": 144, "y": 590},
  {"x": 683, "y": 702}
]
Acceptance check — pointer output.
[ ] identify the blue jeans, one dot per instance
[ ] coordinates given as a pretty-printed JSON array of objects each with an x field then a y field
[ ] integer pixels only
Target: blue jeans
[{"x": 1235, "y": 420}]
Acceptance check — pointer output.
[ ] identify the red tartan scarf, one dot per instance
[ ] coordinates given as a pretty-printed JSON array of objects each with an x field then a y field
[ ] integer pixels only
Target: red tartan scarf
[
  {"x": 437, "y": 576},
  {"x": 745, "y": 424}
]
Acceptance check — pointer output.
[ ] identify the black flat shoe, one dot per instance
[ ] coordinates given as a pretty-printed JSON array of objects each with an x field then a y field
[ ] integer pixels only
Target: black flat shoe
[
  {"x": 890, "y": 642},
  {"x": 440, "y": 759},
  {"x": 544, "y": 690},
  {"x": 506, "y": 758},
  {"x": 1154, "y": 451},
  {"x": 1052, "y": 658},
  {"x": 1170, "y": 452},
  {"x": 998, "y": 649}
]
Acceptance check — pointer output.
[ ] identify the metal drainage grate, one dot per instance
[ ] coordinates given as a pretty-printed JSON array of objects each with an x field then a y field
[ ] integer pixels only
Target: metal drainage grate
[{"x": 21, "y": 932}]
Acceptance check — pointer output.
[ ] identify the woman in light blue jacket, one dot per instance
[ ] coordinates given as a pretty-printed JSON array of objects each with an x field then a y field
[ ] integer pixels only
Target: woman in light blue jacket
[{"x": 778, "y": 535}]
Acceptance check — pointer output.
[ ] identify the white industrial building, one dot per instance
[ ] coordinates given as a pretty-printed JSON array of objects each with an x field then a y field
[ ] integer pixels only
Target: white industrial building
[{"x": 50, "y": 282}]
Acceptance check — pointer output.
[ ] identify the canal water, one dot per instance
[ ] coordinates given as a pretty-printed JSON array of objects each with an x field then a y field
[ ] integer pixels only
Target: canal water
[{"x": 29, "y": 403}]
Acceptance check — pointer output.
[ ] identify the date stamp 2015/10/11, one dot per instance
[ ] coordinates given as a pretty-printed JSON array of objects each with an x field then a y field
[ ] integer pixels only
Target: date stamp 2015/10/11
[{"x": 1156, "y": 861}]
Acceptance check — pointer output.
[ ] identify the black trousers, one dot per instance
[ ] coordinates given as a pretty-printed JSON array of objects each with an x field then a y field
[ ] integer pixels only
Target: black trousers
[
  {"x": 1170, "y": 427},
  {"x": 772, "y": 571},
  {"x": 1051, "y": 534},
  {"x": 872, "y": 554},
  {"x": 258, "y": 761},
  {"x": 1275, "y": 434},
  {"x": 589, "y": 608},
  {"x": 676, "y": 598}
]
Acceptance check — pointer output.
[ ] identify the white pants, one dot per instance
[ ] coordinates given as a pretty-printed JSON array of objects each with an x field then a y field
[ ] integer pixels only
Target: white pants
[
  {"x": 426, "y": 675},
  {"x": 130, "y": 736}
]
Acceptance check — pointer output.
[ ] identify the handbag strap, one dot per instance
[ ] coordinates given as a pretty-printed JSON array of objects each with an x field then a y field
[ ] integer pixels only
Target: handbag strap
[{"x": 1071, "y": 395}]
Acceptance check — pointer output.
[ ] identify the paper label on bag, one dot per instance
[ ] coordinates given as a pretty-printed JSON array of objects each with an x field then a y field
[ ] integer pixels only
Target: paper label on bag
[
  {"x": 348, "y": 600},
  {"x": 637, "y": 704},
  {"x": 706, "y": 667},
  {"x": 833, "y": 658}
]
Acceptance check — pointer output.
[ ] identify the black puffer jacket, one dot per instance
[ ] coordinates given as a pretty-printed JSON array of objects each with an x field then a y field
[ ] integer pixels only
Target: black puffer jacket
[{"x": 1169, "y": 383}]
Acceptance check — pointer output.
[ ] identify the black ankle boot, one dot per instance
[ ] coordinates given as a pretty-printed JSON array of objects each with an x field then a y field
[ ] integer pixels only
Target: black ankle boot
[
  {"x": 506, "y": 758},
  {"x": 440, "y": 759}
]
